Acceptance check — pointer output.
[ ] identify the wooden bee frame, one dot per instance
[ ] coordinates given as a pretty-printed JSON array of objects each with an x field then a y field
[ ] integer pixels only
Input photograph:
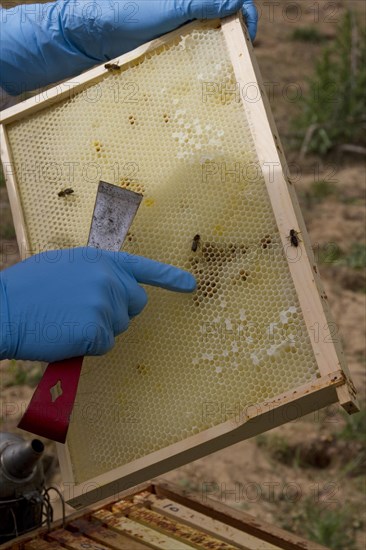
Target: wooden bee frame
[{"x": 332, "y": 384}]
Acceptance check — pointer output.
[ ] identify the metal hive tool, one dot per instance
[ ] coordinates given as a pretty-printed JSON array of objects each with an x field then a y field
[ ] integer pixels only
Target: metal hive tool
[{"x": 49, "y": 411}]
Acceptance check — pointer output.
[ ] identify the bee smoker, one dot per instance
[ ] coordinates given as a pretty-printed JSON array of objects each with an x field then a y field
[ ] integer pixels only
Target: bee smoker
[{"x": 21, "y": 485}]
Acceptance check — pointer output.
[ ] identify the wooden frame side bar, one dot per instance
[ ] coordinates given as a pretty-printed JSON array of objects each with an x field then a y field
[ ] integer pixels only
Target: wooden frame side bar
[
  {"x": 13, "y": 193},
  {"x": 312, "y": 298}
]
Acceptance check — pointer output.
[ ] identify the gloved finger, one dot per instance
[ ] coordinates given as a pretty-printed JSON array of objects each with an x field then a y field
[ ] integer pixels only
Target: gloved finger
[
  {"x": 201, "y": 9},
  {"x": 137, "y": 300},
  {"x": 121, "y": 322},
  {"x": 98, "y": 340},
  {"x": 251, "y": 17},
  {"x": 154, "y": 273}
]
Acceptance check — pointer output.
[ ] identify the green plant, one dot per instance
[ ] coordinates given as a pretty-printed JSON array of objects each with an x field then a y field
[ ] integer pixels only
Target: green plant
[
  {"x": 22, "y": 374},
  {"x": 356, "y": 466},
  {"x": 7, "y": 231},
  {"x": 351, "y": 200},
  {"x": 333, "y": 112},
  {"x": 322, "y": 189},
  {"x": 307, "y": 34},
  {"x": 329, "y": 253},
  {"x": 318, "y": 191},
  {"x": 356, "y": 257},
  {"x": 328, "y": 527},
  {"x": 18, "y": 373},
  {"x": 320, "y": 521},
  {"x": 355, "y": 427}
]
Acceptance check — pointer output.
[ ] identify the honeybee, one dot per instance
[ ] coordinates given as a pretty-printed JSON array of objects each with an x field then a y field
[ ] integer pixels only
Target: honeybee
[
  {"x": 66, "y": 192},
  {"x": 195, "y": 242},
  {"x": 112, "y": 66},
  {"x": 294, "y": 237}
]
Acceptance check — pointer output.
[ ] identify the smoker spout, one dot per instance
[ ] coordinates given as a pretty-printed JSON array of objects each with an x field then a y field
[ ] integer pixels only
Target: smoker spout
[{"x": 19, "y": 459}]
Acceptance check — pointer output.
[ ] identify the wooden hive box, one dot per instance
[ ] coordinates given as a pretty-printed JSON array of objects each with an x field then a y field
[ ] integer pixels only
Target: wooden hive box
[
  {"x": 185, "y": 121},
  {"x": 161, "y": 516}
]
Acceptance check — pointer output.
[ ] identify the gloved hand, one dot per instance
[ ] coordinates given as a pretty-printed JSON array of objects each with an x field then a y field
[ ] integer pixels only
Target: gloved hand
[
  {"x": 45, "y": 43},
  {"x": 74, "y": 302}
]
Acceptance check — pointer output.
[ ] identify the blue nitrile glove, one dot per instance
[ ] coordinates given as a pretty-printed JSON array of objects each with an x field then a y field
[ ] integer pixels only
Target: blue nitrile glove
[
  {"x": 45, "y": 43},
  {"x": 67, "y": 303}
]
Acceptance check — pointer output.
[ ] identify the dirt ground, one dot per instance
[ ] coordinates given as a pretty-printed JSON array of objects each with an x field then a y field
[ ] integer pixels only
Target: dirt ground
[{"x": 310, "y": 472}]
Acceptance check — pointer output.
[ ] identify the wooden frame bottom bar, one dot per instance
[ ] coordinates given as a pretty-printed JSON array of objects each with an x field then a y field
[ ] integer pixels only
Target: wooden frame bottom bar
[{"x": 311, "y": 397}]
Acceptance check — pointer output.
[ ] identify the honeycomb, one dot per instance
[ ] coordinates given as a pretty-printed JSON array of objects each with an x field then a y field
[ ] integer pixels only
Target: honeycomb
[{"x": 188, "y": 362}]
